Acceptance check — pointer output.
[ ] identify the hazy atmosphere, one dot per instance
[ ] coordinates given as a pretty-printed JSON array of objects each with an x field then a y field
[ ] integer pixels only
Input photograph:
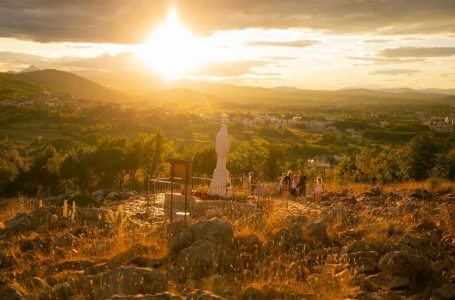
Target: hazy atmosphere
[
  {"x": 329, "y": 44},
  {"x": 227, "y": 149}
]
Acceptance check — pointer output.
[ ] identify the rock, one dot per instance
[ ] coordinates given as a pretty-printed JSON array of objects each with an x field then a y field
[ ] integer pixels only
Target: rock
[
  {"x": 37, "y": 285},
  {"x": 364, "y": 262},
  {"x": 133, "y": 252},
  {"x": 252, "y": 293},
  {"x": 248, "y": 243},
  {"x": 20, "y": 223},
  {"x": 74, "y": 265},
  {"x": 402, "y": 264},
  {"x": 67, "y": 240},
  {"x": 421, "y": 194},
  {"x": 94, "y": 214},
  {"x": 112, "y": 196},
  {"x": 7, "y": 261},
  {"x": 99, "y": 193},
  {"x": 399, "y": 283},
  {"x": 317, "y": 232},
  {"x": 125, "y": 195},
  {"x": 215, "y": 230},
  {"x": 179, "y": 242},
  {"x": 446, "y": 291},
  {"x": 203, "y": 295},
  {"x": 196, "y": 262},
  {"x": 120, "y": 281},
  {"x": 355, "y": 246},
  {"x": 10, "y": 293},
  {"x": 426, "y": 225}
]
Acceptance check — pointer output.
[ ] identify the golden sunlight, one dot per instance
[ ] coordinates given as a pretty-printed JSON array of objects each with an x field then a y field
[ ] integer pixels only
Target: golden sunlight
[{"x": 171, "y": 49}]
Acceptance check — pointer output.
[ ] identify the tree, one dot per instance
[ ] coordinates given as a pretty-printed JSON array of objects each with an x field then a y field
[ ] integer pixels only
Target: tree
[
  {"x": 420, "y": 156},
  {"x": 77, "y": 166},
  {"x": 204, "y": 160}
]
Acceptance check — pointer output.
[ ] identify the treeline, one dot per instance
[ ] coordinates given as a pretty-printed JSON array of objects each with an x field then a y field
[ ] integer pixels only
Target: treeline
[
  {"x": 114, "y": 162},
  {"x": 119, "y": 163},
  {"x": 425, "y": 156}
]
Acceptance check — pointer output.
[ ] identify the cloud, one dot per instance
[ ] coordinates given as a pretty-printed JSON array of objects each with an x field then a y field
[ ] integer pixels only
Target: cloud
[
  {"x": 373, "y": 60},
  {"x": 120, "y": 21},
  {"x": 377, "y": 41},
  {"x": 394, "y": 72},
  {"x": 295, "y": 44},
  {"x": 417, "y": 52},
  {"x": 230, "y": 68}
]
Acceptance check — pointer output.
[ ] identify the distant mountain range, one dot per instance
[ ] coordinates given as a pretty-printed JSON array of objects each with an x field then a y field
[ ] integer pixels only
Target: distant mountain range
[{"x": 30, "y": 82}]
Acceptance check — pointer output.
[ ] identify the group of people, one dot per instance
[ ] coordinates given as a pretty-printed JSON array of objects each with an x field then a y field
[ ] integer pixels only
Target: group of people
[{"x": 296, "y": 185}]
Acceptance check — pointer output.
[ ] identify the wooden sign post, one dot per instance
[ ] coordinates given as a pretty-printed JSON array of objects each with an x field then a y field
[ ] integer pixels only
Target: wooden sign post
[{"x": 181, "y": 170}]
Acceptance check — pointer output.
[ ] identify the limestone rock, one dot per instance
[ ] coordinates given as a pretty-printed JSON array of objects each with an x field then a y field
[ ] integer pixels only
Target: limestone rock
[
  {"x": 20, "y": 223},
  {"x": 94, "y": 214},
  {"x": 446, "y": 291},
  {"x": 196, "y": 262},
  {"x": 402, "y": 264},
  {"x": 317, "y": 232},
  {"x": 364, "y": 262},
  {"x": 216, "y": 230}
]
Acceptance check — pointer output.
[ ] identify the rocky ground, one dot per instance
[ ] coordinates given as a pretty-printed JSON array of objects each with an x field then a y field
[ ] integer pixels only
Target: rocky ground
[{"x": 370, "y": 245}]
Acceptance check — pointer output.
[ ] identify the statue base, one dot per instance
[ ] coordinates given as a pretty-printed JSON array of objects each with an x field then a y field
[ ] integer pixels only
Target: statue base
[{"x": 221, "y": 184}]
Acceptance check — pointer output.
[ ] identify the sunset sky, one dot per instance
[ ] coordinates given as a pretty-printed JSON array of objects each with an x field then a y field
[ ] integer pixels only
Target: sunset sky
[{"x": 311, "y": 44}]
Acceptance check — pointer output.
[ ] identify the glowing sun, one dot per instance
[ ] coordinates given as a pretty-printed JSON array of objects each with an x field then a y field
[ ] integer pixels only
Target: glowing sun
[{"x": 171, "y": 49}]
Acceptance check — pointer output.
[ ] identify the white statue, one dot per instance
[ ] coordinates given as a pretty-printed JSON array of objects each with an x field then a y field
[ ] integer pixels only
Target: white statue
[
  {"x": 221, "y": 182},
  {"x": 223, "y": 143}
]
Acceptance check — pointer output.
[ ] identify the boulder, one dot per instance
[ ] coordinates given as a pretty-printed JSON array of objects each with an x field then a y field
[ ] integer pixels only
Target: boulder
[
  {"x": 10, "y": 293},
  {"x": 99, "y": 193},
  {"x": 112, "y": 196},
  {"x": 215, "y": 230},
  {"x": 425, "y": 225},
  {"x": 7, "y": 261},
  {"x": 364, "y": 262},
  {"x": 94, "y": 214},
  {"x": 446, "y": 291},
  {"x": 120, "y": 281},
  {"x": 252, "y": 293},
  {"x": 197, "y": 261},
  {"x": 402, "y": 264},
  {"x": 421, "y": 194},
  {"x": 20, "y": 223},
  {"x": 125, "y": 195},
  {"x": 180, "y": 241},
  {"x": 248, "y": 243},
  {"x": 317, "y": 232}
]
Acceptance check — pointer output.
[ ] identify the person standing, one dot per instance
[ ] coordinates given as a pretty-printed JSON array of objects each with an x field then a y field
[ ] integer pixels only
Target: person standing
[
  {"x": 251, "y": 182},
  {"x": 285, "y": 183},
  {"x": 302, "y": 184},
  {"x": 318, "y": 189},
  {"x": 294, "y": 183}
]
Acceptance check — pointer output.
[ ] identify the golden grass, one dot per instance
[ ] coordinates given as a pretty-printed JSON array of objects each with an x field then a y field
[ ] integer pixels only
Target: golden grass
[
  {"x": 356, "y": 188},
  {"x": 11, "y": 207}
]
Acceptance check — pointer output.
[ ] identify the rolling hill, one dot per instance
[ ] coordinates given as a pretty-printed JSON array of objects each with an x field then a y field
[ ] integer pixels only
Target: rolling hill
[
  {"x": 60, "y": 82},
  {"x": 12, "y": 88}
]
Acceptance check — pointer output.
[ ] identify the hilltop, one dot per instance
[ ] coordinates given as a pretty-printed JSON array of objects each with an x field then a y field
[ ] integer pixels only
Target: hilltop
[
  {"x": 31, "y": 83},
  {"x": 358, "y": 243}
]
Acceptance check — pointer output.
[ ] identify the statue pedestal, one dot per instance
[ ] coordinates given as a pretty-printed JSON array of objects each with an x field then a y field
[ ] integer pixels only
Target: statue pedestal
[{"x": 221, "y": 183}]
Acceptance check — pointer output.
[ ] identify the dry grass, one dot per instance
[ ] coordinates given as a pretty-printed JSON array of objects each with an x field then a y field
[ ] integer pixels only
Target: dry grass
[{"x": 10, "y": 207}]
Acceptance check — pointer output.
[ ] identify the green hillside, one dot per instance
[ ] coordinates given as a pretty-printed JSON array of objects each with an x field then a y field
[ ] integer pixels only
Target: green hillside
[
  {"x": 60, "y": 82},
  {"x": 12, "y": 88}
]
